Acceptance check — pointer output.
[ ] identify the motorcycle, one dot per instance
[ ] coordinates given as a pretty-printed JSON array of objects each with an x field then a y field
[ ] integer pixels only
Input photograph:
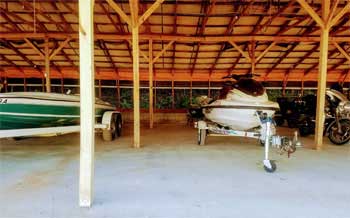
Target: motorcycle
[{"x": 337, "y": 119}]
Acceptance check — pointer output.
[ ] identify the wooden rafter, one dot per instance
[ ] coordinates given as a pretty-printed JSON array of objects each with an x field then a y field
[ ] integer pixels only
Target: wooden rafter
[
  {"x": 61, "y": 46},
  {"x": 346, "y": 54},
  {"x": 200, "y": 31},
  {"x": 312, "y": 13},
  {"x": 289, "y": 49},
  {"x": 30, "y": 7},
  {"x": 174, "y": 32},
  {"x": 314, "y": 66},
  {"x": 288, "y": 29},
  {"x": 119, "y": 11},
  {"x": 67, "y": 27},
  {"x": 9, "y": 21},
  {"x": 39, "y": 52},
  {"x": 162, "y": 52},
  {"x": 332, "y": 11},
  {"x": 340, "y": 14},
  {"x": 270, "y": 20},
  {"x": 149, "y": 11}
]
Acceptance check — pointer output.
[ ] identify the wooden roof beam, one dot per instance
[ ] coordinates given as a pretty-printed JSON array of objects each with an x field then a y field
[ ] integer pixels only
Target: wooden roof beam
[
  {"x": 149, "y": 11},
  {"x": 204, "y": 21},
  {"x": 334, "y": 67},
  {"x": 42, "y": 13},
  {"x": 174, "y": 32},
  {"x": 108, "y": 55},
  {"x": 16, "y": 17},
  {"x": 233, "y": 21},
  {"x": 162, "y": 52},
  {"x": 68, "y": 27},
  {"x": 63, "y": 44},
  {"x": 332, "y": 11},
  {"x": 264, "y": 52},
  {"x": 18, "y": 53},
  {"x": 314, "y": 66},
  {"x": 314, "y": 49},
  {"x": 178, "y": 38},
  {"x": 35, "y": 48},
  {"x": 67, "y": 57},
  {"x": 312, "y": 13},
  {"x": 116, "y": 26},
  {"x": 143, "y": 54},
  {"x": 3, "y": 57},
  {"x": 120, "y": 12},
  {"x": 339, "y": 15},
  {"x": 7, "y": 18},
  {"x": 246, "y": 55},
  {"x": 346, "y": 54},
  {"x": 257, "y": 30}
]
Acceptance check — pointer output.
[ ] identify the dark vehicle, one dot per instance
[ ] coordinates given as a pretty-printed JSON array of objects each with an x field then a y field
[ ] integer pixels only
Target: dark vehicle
[{"x": 301, "y": 113}]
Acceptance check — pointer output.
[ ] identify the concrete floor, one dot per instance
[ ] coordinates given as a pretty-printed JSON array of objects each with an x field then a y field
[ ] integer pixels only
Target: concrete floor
[{"x": 172, "y": 177}]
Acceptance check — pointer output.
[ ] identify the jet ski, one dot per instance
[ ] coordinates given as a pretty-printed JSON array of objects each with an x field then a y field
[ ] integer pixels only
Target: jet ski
[{"x": 240, "y": 104}]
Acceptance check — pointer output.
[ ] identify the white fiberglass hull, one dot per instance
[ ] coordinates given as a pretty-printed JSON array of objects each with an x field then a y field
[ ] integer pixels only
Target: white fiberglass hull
[{"x": 238, "y": 110}]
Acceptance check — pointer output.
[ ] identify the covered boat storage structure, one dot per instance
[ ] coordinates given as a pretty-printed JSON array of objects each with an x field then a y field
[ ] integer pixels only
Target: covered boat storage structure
[{"x": 149, "y": 42}]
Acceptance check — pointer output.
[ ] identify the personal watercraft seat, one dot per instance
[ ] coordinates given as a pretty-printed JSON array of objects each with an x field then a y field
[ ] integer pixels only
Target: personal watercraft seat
[{"x": 249, "y": 86}]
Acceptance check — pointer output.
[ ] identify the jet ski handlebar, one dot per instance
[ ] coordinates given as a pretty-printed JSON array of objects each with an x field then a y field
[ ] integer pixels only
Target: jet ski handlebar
[{"x": 238, "y": 77}]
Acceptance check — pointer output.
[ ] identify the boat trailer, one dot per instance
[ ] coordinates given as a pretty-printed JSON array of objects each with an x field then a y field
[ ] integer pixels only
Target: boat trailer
[
  {"x": 266, "y": 134},
  {"x": 110, "y": 125}
]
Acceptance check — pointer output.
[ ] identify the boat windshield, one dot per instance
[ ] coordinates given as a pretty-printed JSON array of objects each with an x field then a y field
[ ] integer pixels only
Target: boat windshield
[
  {"x": 334, "y": 94},
  {"x": 250, "y": 87}
]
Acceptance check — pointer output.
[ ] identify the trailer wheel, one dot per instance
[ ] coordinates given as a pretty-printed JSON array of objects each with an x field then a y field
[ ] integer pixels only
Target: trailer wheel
[
  {"x": 202, "y": 134},
  {"x": 119, "y": 125},
  {"x": 109, "y": 134},
  {"x": 270, "y": 167}
]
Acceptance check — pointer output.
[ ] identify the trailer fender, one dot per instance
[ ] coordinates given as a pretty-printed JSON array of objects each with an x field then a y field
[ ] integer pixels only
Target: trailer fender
[{"x": 108, "y": 116}]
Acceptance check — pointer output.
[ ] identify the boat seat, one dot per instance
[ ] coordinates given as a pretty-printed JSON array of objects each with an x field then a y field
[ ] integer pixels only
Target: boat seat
[{"x": 249, "y": 87}]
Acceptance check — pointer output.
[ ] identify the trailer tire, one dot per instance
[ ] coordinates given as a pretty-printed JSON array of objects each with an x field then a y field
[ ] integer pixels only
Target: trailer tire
[
  {"x": 109, "y": 134},
  {"x": 119, "y": 125},
  {"x": 202, "y": 134}
]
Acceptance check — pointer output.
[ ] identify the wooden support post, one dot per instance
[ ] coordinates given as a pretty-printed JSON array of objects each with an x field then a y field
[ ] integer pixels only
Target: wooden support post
[
  {"x": 62, "y": 85},
  {"x": 172, "y": 95},
  {"x": 25, "y": 84},
  {"x": 136, "y": 79},
  {"x": 302, "y": 88},
  {"x": 5, "y": 84},
  {"x": 322, "y": 78},
  {"x": 155, "y": 93},
  {"x": 99, "y": 89},
  {"x": 208, "y": 88},
  {"x": 252, "y": 57},
  {"x": 87, "y": 102},
  {"x": 191, "y": 91},
  {"x": 47, "y": 65},
  {"x": 43, "y": 84},
  {"x": 150, "y": 75},
  {"x": 118, "y": 94}
]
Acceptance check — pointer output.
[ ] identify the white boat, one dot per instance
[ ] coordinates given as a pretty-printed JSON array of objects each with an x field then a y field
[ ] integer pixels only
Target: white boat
[{"x": 239, "y": 106}]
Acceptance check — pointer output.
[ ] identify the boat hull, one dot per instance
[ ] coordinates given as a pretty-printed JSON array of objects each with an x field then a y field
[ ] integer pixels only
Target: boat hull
[
  {"x": 236, "y": 119},
  {"x": 21, "y": 111},
  {"x": 239, "y": 110}
]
